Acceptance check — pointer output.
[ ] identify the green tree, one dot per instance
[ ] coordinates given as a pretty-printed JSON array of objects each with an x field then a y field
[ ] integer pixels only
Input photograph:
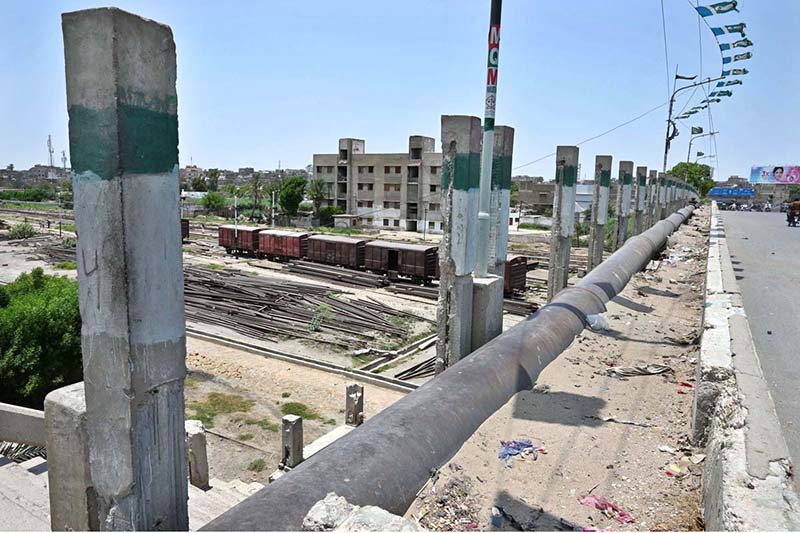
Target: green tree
[
  {"x": 326, "y": 215},
  {"x": 291, "y": 194},
  {"x": 514, "y": 193},
  {"x": 40, "y": 337},
  {"x": 794, "y": 191},
  {"x": 695, "y": 174},
  {"x": 212, "y": 179},
  {"x": 213, "y": 201},
  {"x": 199, "y": 184},
  {"x": 317, "y": 192}
]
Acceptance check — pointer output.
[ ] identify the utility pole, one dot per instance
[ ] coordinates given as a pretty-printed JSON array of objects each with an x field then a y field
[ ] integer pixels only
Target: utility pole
[
  {"x": 273, "y": 209},
  {"x": 50, "y": 151},
  {"x": 691, "y": 140},
  {"x": 672, "y": 129},
  {"x": 484, "y": 220}
]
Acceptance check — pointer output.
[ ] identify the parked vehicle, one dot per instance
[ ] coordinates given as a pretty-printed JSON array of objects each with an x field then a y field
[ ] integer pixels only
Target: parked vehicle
[
  {"x": 416, "y": 261},
  {"x": 793, "y": 214},
  {"x": 335, "y": 250},
  {"x": 239, "y": 239},
  {"x": 516, "y": 274},
  {"x": 184, "y": 229},
  {"x": 281, "y": 244}
]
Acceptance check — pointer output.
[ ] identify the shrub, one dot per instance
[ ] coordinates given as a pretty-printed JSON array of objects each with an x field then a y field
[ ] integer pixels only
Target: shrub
[
  {"x": 21, "y": 231},
  {"x": 40, "y": 337},
  {"x": 326, "y": 215},
  {"x": 213, "y": 201}
]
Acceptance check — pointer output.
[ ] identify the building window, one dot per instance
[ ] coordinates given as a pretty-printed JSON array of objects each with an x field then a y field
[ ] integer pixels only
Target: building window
[
  {"x": 391, "y": 205},
  {"x": 413, "y": 173},
  {"x": 329, "y": 170},
  {"x": 397, "y": 170},
  {"x": 368, "y": 221},
  {"x": 343, "y": 155},
  {"x": 434, "y": 170},
  {"x": 319, "y": 169},
  {"x": 389, "y": 187},
  {"x": 360, "y": 186},
  {"x": 431, "y": 225},
  {"x": 386, "y": 170},
  {"x": 434, "y": 188},
  {"x": 385, "y": 221},
  {"x": 361, "y": 170},
  {"x": 369, "y": 185},
  {"x": 434, "y": 207},
  {"x": 416, "y": 153},
  {"x": 396, "y": 223},
  {"x": 370, "y": 170}
]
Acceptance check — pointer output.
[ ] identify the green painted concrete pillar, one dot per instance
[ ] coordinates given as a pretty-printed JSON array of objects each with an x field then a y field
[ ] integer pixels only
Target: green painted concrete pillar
[
  {"x": 597, "y": 233},
  {"x": 652, "y": 189},
  {"x": 123, "y": 135},
  {"x": 640, "y": 199},
  {"x": 563, "y": 219},
  {"x": 461, "y": 155},
  {"x": 625, "y": 180},
  {"x": 661, "y": 197},
  {"x": 501, "y": 197}
]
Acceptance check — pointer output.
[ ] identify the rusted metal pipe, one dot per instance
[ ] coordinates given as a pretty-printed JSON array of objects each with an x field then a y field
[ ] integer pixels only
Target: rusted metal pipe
[{"x": 386, "y": 460}]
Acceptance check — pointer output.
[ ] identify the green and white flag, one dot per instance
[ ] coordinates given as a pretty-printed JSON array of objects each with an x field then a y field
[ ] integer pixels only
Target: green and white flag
[
  {"x": 700, "y": 154},
  {"x": 740, "y": 57},
  {"x": 717, "y": 9},
  {"x": 697, "y": 130}
]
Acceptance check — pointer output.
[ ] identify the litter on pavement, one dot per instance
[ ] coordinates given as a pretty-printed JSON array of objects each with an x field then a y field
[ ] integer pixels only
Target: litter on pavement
[
  {"x": 610, "y": 509},
  {"x": 520, "y": 447},
  {"x": 597, "y": 322},
  {"x": 638, "y": 370}
]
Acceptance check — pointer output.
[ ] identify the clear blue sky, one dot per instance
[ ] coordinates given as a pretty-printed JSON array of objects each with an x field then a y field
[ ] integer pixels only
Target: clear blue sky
[{"x": 265, "y": 81}]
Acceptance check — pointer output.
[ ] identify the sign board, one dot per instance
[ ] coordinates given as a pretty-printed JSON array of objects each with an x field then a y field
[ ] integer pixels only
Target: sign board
[
  {"x": 719, "y": 191},
  {"x": 775, "y": 174}
]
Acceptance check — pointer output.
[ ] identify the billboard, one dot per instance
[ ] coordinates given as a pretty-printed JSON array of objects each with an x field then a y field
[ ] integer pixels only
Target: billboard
[
  {"x": 775, "y": 174},
  {"x": 719, "y": 191}
]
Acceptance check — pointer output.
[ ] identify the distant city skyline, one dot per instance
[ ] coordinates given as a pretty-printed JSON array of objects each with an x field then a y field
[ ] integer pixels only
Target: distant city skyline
[{"x": 263, "y": 82}]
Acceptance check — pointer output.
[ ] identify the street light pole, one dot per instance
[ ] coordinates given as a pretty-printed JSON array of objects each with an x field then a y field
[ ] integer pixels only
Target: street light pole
[
  {"x": 692, "y": 138},
  {"x": 670, "y": 124}
]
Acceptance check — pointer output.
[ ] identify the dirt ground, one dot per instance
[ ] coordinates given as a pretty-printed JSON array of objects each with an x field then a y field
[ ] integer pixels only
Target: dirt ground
[
  {"x": 601, "y": 435},
  {"x": 268, "y": 384}
]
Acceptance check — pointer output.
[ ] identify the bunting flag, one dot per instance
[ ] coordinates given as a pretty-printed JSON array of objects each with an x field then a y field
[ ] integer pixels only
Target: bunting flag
[
  {"x": 726, "y": 60},
  {"x": 711, "y": 101},
  {"x": 721, "y": 93},
  {"x": 730, "y": 28},
  {"x": 717, "y": 9},
  {"x": 691, "y": 112},
  {"x": 742, "y": 43},
  {"x": 697, "y": 130},
  {"x": 740, "y": 57},
  {"x": 729, "y": 83},
  {"x": 700, "y": 154},
  {"x": 699, "y": 107},
  {"x": 735, "y": 72}
]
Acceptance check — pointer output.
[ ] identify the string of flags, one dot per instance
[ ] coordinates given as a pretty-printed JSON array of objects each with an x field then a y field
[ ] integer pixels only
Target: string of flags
[{"x": 715, "y": 97}]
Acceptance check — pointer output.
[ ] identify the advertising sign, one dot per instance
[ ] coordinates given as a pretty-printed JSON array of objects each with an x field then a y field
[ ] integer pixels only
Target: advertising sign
[
  {"x": 719, "y": 191},
  {"x": 775, "y": 174}
]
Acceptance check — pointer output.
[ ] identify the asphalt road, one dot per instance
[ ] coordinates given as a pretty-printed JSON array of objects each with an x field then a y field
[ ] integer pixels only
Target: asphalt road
[{"x": 766, "y": 259}]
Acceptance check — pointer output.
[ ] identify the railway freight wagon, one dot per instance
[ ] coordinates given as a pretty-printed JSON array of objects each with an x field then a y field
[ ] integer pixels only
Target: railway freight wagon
[
  {"x": 417, "y": 261},
  {"x": 280, "y": 244},
  {"x": 184, "y": 229},
  {"x": 516, "y": 274},
  {"x": 239, "y": 239},
  {"x": 335, "y": 250}
]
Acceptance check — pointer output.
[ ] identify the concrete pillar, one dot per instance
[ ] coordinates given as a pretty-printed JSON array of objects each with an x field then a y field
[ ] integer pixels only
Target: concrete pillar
[
  {"x": 652, "y": 186},
  {"x": 563, "y": 219},
  {"x": 461, "y": 149},
  {"x": 661, "y": 196},
  {"x": 640, "y": 199},
  {"x": 73, "y": 501},
  {"x": 123, "y": 132},
  {"x": 597, "y": 233},
  {"x": 197, "y": 452},
  {"x": 487, "y": 309},
  {"x": 291, "y": 441},
  {"x": 501, "y": 197},
  {"x": 624, "y": 180},
  {"x": 354, "y": 405}
]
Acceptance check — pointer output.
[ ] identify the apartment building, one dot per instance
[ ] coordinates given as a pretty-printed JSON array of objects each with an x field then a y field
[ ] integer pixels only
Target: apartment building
[{"x": 389, "y": 191}]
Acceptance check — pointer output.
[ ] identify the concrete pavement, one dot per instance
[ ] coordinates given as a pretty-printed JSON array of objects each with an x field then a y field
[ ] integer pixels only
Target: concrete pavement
[{"x": 765, "y": 253}]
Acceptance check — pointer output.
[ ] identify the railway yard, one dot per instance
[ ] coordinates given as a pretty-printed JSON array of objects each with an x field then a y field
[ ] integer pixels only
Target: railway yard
[{"x": 322, "y": 324}]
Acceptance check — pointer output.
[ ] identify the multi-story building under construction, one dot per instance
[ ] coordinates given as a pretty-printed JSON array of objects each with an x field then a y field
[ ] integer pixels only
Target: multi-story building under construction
[{"x": 389, "y": 191}]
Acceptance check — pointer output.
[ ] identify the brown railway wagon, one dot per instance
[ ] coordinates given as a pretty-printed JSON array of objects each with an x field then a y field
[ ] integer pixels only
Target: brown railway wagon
[
  {"x": 239, "y": 238},
  {"x": 184, "y": 229},
  {"x": 515, "y": 276},
  {"x": 414, "y": 260},
  {"x": 335, "y": 250},
  {"x": 283, "y": 244}
]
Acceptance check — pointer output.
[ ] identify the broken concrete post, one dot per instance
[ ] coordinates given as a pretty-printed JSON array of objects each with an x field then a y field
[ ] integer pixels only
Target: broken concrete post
[
  {"x": 563, "y": 219},
  {"x": 640, "y": 199},
  {"x": 501, "y": 197},
  {"x": 73, "y": 502},
  {"x": 197, "y": 452},
  {"x": 354, "y": 405},
  {"x": 461, "y": 153},
  {"x": 624, "y": 179},
  {"x": 123, "y": 132},
  {"x": 597, "y": 233},
  {"x": 487, "y": 309},
  {"x": 652, "y": 185},
  {"x": 292, "y": 441}
]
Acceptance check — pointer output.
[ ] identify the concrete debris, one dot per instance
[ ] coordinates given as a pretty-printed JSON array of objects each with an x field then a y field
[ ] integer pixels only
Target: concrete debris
[{"x": 334, "y": 513}]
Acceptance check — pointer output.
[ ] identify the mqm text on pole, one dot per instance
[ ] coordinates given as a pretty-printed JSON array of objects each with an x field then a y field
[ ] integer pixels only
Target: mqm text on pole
[{"x": 484, "y": 221}]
